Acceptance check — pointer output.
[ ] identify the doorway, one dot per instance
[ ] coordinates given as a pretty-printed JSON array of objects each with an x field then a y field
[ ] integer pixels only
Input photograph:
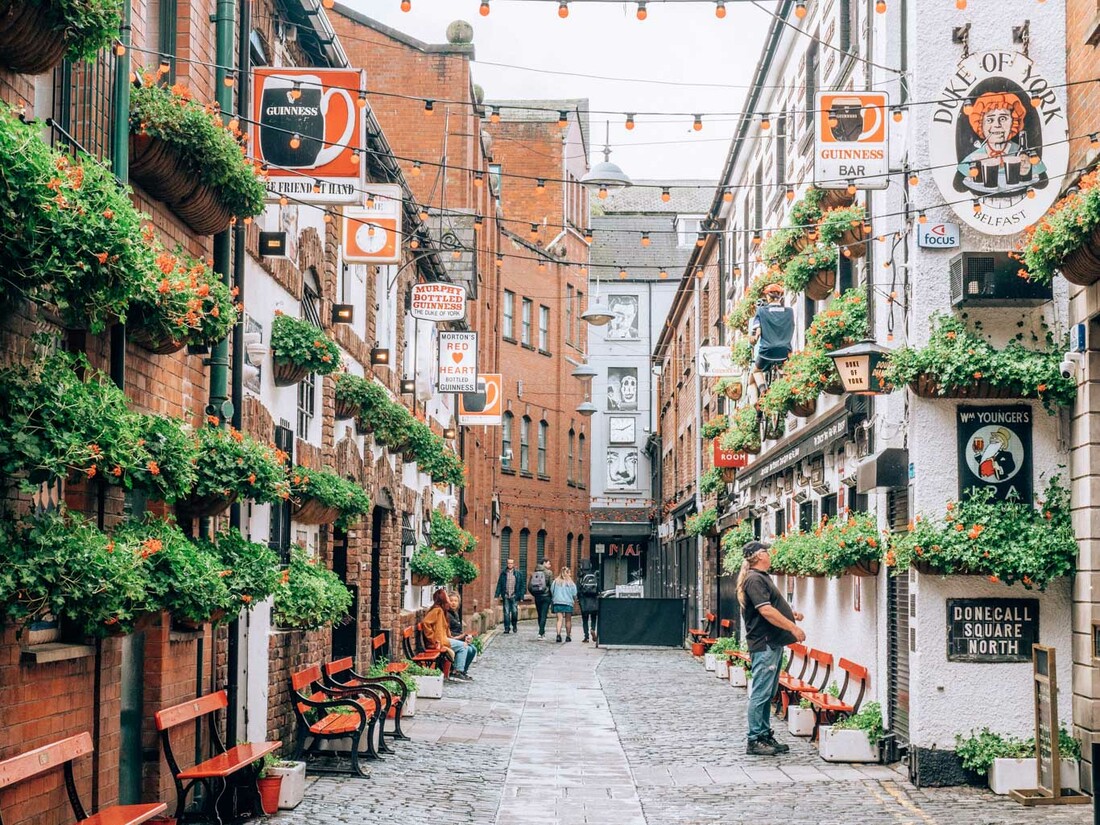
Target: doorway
[
  {"x": 378, "y": 523},
  {"x": 345, "y": 634}
]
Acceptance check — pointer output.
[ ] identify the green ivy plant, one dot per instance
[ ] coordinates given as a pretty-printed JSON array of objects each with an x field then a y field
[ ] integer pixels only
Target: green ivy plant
[
  {"x": 310, "y": 595},
  {"x": 330, "y": 490},
  {"x": 711, "y": 482},
  {"x": 868, "y": 719},
  {"x": 702, "y": 523},
  {"x": 435, "y": 566},
  {"x": 744, "y": 432},
  {"x": 231, "y": 463},
  {"x": 449, "y": 537},
  {"x": 249, "y": 569},
  {"x": 301, "y": 343},
  {"x": 733, "y": 540},
  {"x": 715, "y": 427},
  {"x": 1066, "y": 227}
]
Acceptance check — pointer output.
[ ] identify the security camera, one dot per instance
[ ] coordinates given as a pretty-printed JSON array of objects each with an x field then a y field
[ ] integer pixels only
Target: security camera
[{"x": 1071, "y": 362}]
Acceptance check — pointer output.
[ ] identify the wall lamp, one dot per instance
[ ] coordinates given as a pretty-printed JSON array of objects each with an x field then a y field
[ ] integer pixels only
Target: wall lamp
[
  {"x": 379, "y": 356},
  {"x": 408, "y": 386},
  {"x": 343, "y": 313}
]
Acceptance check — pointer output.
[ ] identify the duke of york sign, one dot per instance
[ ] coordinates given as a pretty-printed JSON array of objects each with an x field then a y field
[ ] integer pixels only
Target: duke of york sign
[{"x": 998, "y": 139}]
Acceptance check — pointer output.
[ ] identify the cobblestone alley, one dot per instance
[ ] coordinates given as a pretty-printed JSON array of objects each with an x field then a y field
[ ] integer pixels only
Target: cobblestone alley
[{"x": 571, "y": 734}]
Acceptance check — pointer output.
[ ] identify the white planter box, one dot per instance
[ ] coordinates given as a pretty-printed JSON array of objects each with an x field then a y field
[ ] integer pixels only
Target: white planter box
[
  {"x": 738, "y": 677},
  {"x": 1017, "y": 774},
  {"x": 710, "y": 661},
  {"x": 845, "y": 745},
  {"x": 722, "y": 667},
  {"x": 293, "y": 787},
  {"x": 430, "y": 687},
  {"x": 800, "y": 721},
  {"x": 410, "y": 705}
]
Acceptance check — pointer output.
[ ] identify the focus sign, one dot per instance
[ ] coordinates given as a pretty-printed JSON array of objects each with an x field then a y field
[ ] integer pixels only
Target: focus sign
[
  {"x": 851, "y": 140},
  {"x": 371, "y": 232},
  {"x": 729, "y": 458},
  {"x": 457, "y": 362},
  {"x": 438, "y": 302},
  {"x": 938, "y": 235},
  {"x": 991, "y": 630}
]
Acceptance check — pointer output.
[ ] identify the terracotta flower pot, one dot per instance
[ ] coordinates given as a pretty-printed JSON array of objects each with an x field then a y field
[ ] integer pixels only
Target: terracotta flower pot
[
  {"x": 1082, "y": 265},
  {"x": 804, "y": 409},
  {"x": 346, "y": 409},
  {"x": 28, "y": 44},
  {"x": 269, "y": 787},
  {"x": 287, "y": 374},
  {"x": 311, "y": 511},
  {"x": 821, "y": 285},
  {"x": 852, "y": 241},
  {"x": 698, "y": 649}
]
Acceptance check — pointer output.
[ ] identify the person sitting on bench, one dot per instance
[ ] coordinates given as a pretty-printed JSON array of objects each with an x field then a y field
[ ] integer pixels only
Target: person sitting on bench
[
  {"x": 454, "y": 620},
  {"x": 437, "y": 633}
]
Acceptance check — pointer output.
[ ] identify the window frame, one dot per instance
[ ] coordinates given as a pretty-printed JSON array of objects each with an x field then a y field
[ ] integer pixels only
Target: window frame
[
  {"x": 507, "y": 436},
  {"x": 525, "y": 445},
  {"x": 544, "y": 329},
  {"x": 508, "y": 324},
  {"x": 526, "y": 311},
  {"x": 543, "y": 437}
]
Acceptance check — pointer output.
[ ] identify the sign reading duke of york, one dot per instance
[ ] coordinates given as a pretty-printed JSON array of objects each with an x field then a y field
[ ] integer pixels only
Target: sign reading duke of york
[{"x": 998, "y": 138}]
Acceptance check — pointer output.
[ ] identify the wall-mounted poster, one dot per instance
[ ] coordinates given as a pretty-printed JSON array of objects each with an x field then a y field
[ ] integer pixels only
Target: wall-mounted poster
[
  {"x": 622, "y": 388},
  {"x": 622, "y": 468},
  {"x": 252, "y": 368},
  {"x": 998, "y": 137},
  {"x": 995, "y": 452},
  {"x": 624, "y": 326}
]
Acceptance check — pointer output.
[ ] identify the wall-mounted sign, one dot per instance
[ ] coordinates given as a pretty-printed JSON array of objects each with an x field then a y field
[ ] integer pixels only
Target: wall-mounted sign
[
  {"x": 995, "y": 451},
  {"x": 306, "y": 127},
  {"x": 457, "y": 362},
  {"x": 851, "y": 140},
  {"x": 630, "y": 548},
  {"x": 371, "y": 231},
  {"x": 717, "y": 362},
  {"x": 729, "y": 458},
  {"x": 438, "y": 302},
  {"x": 484, "y": 407},
  {"x": 991, "y": 146},
  {"x": 938, "y": 235},
  {"x": 991, "y": 630}
]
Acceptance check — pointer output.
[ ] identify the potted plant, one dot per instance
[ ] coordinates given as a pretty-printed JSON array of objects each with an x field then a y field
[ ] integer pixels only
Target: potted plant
[
  {"x": 375, "y": 406},
  {"x": 801, "y": 718},
  {"x": 799, "y": 553},
  {"x": 292, "y": 789},
  {"x": 844, "y": 227},
  {"x": 249, "y": 569},
  {"x": 740, "y": 671},
  {"x": 732, "y": 388},
  {"x": 715, "y": 427},
  {"x": 35, "y": 36},
  {"x": 1067, "y": 239},
  {"x": 233, "y": 465},
  {"x": 268, "y": 784},
  {"x": 702, "y": 523},
  {"x": 720, "y": 649},
  {"x": 744, "y": 432},
  {"x": 448, "y": 536},
  {"x": 732, "y": 541},
  {"x": 780, "y": 246},
  {"x": 299, "y": 348},
  {"x": 711, "y": 481},
  {"x": 349, "y": 394},
  {"x": 429, "y": 681},
  {"x": 182, "y": 153},
  {"x": 309, "y": 596},
  {"x": 427, "y": 567},
  {"x": 464, "y": 570},
  {"x": 1008, "y": 762},
  {"x": 322, "y": 497},
  {"x": 744, "y": 309},
  {"x": 853, "y": 739},
  {"x": 812, "y": 271}
]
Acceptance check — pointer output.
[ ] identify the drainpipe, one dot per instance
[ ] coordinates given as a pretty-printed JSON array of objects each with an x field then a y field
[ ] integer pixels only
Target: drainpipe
[{"x": 700, "y": 541}]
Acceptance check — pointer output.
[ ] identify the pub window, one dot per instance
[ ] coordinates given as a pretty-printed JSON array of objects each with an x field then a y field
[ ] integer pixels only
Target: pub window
[
  {"x": 806, "y": 520},
  {"x": 505, "y": 546},
  {"x": 524, "y": 538},
  {"x": 506, "y": 441},
  {"x": 828, "y": 506},
  {"x": 780, "y": 522},
  {"x": 278, "y": 538},
  {"x": 525, "y": 445},
  {"x": 544, "y": 429},
  {"x": 540, "y": 547}
]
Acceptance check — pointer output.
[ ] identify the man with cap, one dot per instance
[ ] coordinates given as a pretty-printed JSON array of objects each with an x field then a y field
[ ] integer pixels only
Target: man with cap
[{"x": 769, "y": 627}]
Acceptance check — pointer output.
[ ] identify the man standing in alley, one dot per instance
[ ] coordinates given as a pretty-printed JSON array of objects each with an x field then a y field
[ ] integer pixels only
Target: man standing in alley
[
  {"x": 539, "y": 587},
  {"x": 769, "y": 627},
  {"x": 510, "y": 590}
]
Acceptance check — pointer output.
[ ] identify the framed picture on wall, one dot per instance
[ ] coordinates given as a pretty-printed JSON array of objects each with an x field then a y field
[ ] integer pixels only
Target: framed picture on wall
[
  {"x": 622, "y": 468},
  {"x": 621, "y": 429}
]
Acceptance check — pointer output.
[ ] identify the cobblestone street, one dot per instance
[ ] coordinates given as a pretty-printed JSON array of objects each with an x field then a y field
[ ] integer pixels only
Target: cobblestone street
[{"x": 569, "y": 734}]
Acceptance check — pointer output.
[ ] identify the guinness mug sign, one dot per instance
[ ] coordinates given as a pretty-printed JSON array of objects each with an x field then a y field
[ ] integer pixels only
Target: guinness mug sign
[
  {"x": 307, "y": 128},
  {"x": 851, "y": 140}
]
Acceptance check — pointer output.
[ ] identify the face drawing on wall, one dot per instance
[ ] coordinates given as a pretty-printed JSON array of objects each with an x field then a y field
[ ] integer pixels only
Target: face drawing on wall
[
  {"x": 622, "y": 468},
  {"x": 1004, "y": 159},
  {"x": 622, "y": 388},
  {"x": 996, "y": 454},
  {"x": 624, "y": 326}
]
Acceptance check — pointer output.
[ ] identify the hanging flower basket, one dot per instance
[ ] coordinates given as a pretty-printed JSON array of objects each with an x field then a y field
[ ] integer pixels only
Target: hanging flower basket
[
  {"x": 836, "y": 198},
  {"x": 734, "y": 391},
  {"x": 864, "y": 569},
  {"x": 928, "y": 386},
  {"x": 420, "y": 580},
  {"x": 156, "y": 166},
  {"x": 312, "y": 511},
  {"x": 346, "y": 409},
  {"x": 287, "y": 373},
  {"x": 804, "y": 409},
  {"x": 28, "y": 44},
  {"x": 774, "y": 428},
  {"x": 728, "y": 474},
  {"x": 852, "y": 243},
  {"x": 1082, "y": 265},
  {"x": 821, "y": 285},
  {"x": 408, "y": 456},
  {"x": 150, "y": 343},
  {"x": 203, "y": 506},
  {"x": 834, "y": 386}
]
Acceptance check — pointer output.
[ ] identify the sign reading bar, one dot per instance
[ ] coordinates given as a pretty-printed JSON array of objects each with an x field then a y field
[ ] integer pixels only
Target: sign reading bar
[
  {"x": 457, "y": 362},
  {"x": 372, "y": 229},
  {"x": 729, "y": 458},
  {"x": 438, "y": 302},
  {"x": 851, "y": 140},
  {"x": 995, "y": 452},
  {"x": 308, "y": 130},
  {"x": 484, "y": 407},
  {"x": 991, "y": 630}
]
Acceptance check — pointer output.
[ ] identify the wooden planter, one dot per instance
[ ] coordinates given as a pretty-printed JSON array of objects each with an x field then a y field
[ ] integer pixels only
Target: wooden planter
[
  {"x": 821, "y": 285},
  {"x": 419, "y": 580},
  {"x": 927, "y": 386},
  {"x": 801, "y": 241},
  {"x": 312, "y": 511},
  {"x": 158, "y": 346},
  {"x": 1082, "y": 265},
  {"x": 203, "y": 506},
  {"x": 155, "y": 166},
  {"x": 864, "y": 569},
  {"x": 287, "y": 374},
  {"x": 28, "y": 44},
  {"x": 804, "y": 409},
  {"x": 346, "y": 409}
]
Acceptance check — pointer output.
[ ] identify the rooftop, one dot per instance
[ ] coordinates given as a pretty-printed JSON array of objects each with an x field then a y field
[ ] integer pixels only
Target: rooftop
[
  {"x": 645, "y": 196},
  {"x": 542, "y": 111}
]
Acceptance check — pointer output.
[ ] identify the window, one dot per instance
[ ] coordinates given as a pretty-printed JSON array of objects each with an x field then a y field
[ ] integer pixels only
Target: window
[
  {"x": 687, "y": 229},
  {"x": 161, "y": 17},
  {"x": 307, "y": 387},
  {"x": 540, "y": 547},
  {"x": 495, "y": 177},
  {"x": 810, "y": 72},
  {"x": 780, "y": 521},
  {"x": 580, "y": 549},
  {"x": 846, "y": 11},
  {"x": 828, "y": 506},
  {"x": 543, "y": 430},
  {"x": 580, "y": 460},
  {"x": 506, "y": 441},
  {"x": 524, "y": 537},
  {"x": 544, "y": 328},
  {"x": 780, "y": 155},
  {"x": 806, "y": 520},
  {"x": 278, "y": 538},
  {"x": 569, "y": 477},
  {"x": 568, "y": 549},
  {"x": 578, "y": 321},
  {"x": 525, "y": 445},
  {"x": 525, "y": 322},
  {"x": 509, "y": 330},
  {"x": 569, "y": 313},
  {"x": 505, "y": 546}
]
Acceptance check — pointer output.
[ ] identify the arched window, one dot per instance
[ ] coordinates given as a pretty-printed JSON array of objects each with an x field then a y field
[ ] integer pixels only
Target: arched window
[
  {"x": 506, "y": 441},
  {"x": 540, "y": 547},
  {"x": 580, "y": 549},
  {"x": 524, "y": 536},
  {"x": 581, "y": 479},
  {"x": 505, "y": 546},
  {"x": 525, "y": 445},
  {"x": 568, "y": 550},
  {"x": 544, "y": 430},
  {"x": 569, "y": 477}
]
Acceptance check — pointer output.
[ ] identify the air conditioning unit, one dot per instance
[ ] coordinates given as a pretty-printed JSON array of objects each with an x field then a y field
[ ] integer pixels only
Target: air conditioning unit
[
  {"x": 821, "y": 488},
  {"x": 993, "y": 279},
  {"x": 802, "y": 496}
]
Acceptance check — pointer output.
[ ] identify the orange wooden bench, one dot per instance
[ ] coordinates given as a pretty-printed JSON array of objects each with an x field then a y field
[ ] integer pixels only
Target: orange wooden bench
[
  {"x": 412, "y": 640},
  {"x": 699, "y": 634},
  {"x": 61, "y": 754},
  {"x": 340, "y": 676},
  {"x": 377, "y": 643},
  {"x": 829, "y": 708},
  {"x": 318, "y": 710},
  {"x": 792, "y": 688},
  {"x": 236, "y": 763}
]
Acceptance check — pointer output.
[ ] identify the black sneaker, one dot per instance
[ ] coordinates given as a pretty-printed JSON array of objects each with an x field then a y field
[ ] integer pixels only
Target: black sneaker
[
  {"x": 559, "y": 638},
  {"x": 779, "y": 746},
  {"x": 568, "y": 638},
  {"x": 470, "y": 678},
  {"x": 761, "y": 747},
  {"x": 585, "y": 640}
]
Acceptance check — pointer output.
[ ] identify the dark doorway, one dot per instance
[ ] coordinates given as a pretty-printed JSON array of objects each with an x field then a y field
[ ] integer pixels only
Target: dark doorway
[
  {"x": 345, "y": 634},
  {"x": 378, "y": 522}
]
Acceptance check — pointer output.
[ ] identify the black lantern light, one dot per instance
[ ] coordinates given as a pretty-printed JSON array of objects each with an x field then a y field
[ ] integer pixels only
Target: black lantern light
[
  {"x": 273, "y": 244},
  {"x": 379, "y": 356},
  {"x": 343, "y": 313},
  {"x": 450, "y": 433},
  {"x": 408, "y": 386},
  {"x": 862, "y": 367}
]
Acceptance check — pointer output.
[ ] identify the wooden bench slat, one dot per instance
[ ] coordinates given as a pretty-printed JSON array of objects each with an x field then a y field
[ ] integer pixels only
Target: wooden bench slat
[
  {"x": 193, "y": 709},
  {"x": 44, "y": 759},
  {"x": 378, "y": 641},
  {"x": 305, "y": 677},
  {"x": 336, "y": 723},
  {"x": 228, "y": 763},
  {"x": 126, "y": 814},
  {"x": 339, "y": 666}
]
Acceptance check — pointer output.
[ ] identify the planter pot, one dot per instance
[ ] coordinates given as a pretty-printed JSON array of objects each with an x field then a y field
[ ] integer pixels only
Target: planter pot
[
  {"x": 698, "y": 649},
  {"x": 269, "y": 787},
  {"x": 864, "y": 568},
  {"x": 1082, "y": 265},
  {"x": 28, "y": 44},
  {"x": 40, "y": 630},
  {"x": 738, "y": 676},
  {"x": 287, "y": 374},
  {"x": 722, "y": 667},
  {"x": 928, "y": 386},
  {"x": 801, "y": 241},
  {"x": 203, "y": 506},
  {"x": 821, "y": 285},
  {"x": 155, "y": 166},
  {"x": 312, "y": 511},
  {"x": 1007, "y": 775},
  {"x": 845, "y": 745},
  {"x": 734, "y": 391},
  {"x": 408, "y": 456},
  {"x": 203, "y": 211},
  {"x": 774, "y": 429},
  {"x": 158, "y": 346},
  {"x": 293, "y": 788},
  {"x": 346, "y": 409},
  {"x": 835, "y": 198},
  {"x": 430, "y": 687},
  {"x": 800, "y": 721},
  {"x": 419, "y": 580},
  {"x": 804, "y": 409},
  {"x": 709, "y": 661},
  {"x": 410, "y": 705},
  {"x": 834, "y": 386},
  {"x": 853, "y": 243}
]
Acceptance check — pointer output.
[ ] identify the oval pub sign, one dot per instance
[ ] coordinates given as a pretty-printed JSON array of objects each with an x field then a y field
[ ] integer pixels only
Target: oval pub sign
[{"x": 998, "y": 142}]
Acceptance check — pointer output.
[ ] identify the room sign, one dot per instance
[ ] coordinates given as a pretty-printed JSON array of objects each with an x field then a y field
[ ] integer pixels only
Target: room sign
[{"x": 991, "y": 630}]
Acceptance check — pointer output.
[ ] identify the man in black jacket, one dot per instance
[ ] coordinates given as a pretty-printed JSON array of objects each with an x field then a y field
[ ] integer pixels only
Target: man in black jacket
[{"x": 511, "y": 590}]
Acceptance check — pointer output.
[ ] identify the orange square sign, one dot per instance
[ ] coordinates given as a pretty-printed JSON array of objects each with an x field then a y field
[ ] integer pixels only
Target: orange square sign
[
  {"x": 851, "y": 146},
  {"x": 372, "y": 231}
]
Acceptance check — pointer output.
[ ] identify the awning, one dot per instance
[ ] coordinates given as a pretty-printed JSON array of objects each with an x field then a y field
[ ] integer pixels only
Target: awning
[{"x": 621, "y": 529}]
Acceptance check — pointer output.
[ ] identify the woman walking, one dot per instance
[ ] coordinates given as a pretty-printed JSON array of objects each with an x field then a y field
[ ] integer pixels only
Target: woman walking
[{"x": 564, "y": 593}]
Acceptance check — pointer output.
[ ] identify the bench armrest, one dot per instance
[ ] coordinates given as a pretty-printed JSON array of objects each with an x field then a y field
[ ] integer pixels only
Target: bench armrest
[{"x": 378, "y": 694}]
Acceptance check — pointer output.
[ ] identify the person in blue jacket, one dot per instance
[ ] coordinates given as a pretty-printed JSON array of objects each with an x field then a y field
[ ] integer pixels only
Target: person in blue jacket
[{"x": 563, "y": 594}]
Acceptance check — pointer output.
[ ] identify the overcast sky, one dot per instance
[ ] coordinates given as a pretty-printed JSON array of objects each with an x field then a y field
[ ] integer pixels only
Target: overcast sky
[{"x": 680, "y": 42}]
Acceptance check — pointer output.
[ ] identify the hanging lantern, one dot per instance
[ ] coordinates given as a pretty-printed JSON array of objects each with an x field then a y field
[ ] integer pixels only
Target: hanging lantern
[{"x": 862, "y": 367}]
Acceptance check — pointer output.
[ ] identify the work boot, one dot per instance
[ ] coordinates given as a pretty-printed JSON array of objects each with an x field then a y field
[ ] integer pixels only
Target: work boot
[
  {"x": 761, "y": 747},
  {"x": 779, "y": 746}
]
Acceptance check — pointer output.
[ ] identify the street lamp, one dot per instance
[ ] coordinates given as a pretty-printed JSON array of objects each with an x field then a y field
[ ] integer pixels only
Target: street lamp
[
  {"x": 598, "y": 313},
  {"x": 606, "y": 176},
  {"x": 862, "y": 367},
  {"x": 587, "y": 408},
  {"x": 585, "y": 372}
]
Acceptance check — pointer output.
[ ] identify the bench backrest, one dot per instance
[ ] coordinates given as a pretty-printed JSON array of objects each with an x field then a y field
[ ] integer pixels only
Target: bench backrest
[
  {"x": 46, "y": 758},
  {"x": 852, "y": 671},
  {"x": 727, "y": 625},
  {"x": 305, "y": 677},
  {"x": 339, "y": 666},
  {"x": 408, "y": 642},
  {"x": 797, "y": 651},
  {"x": 193, "y": 709},
  {"x": 376, "y": 644},
  {"x": 823, "y": 668}
]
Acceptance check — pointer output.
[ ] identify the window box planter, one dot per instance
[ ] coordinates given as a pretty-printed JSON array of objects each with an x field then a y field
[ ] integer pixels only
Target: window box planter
[
  {"x": 845, "y": 745},
  {"x": 151, "y": 343},
  {"x": 804, "y": 409},
  {"x": 203, "y": 506},
  {"x": 312, "y": 511},
  {"x": 928, "y": 386},
  {"x": 864, "y": 569},
  {"x": 430, "y": 687},
  {"x": 28, "y": 42},
  {"x": 710, "y": 661},
  {"x": 293, "y": 787},
  {"x": 41, "y": 629},
  {"x": 156, "y": 166},
  {"x": 739, "y": 676},
  {"x": 800, "y": 721},
  {"x": 346, "y": 409},
  {"x": 1007, "y": 775},
  {"x": 821, "y": 285},
  {"x": 287, "y": 373}
]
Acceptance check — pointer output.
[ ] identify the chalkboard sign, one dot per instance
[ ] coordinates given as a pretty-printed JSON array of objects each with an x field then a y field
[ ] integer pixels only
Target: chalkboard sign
[{"x": 991, "y": 630}]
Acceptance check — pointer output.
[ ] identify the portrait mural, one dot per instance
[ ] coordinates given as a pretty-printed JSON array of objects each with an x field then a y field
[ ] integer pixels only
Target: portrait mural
[
  {"x": 622, "y": 468},
  {"x": 998, "y": 137},
  {"x": 622, "y": 388},
  {"x": 624, "y": 326}
]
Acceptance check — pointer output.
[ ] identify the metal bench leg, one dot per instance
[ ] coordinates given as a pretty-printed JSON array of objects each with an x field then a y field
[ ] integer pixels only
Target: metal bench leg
[
  {"x": 382, "y": 746},
  {"x": 397, "y": 732},
  {"x": 368, "y": 735},
  {"x": 356, "y": 767}
]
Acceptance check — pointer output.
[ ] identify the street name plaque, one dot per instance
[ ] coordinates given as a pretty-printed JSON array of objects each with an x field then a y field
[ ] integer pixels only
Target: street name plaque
[{"x": 991, "y": 630}]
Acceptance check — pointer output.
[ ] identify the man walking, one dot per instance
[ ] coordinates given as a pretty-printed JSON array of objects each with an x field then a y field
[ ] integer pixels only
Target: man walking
[
  {"x": 589, "y": 594},
  {"x": 510, "y": 590},
  {"x": 539, "y": 587},
  {"x": 769, "y": 627}
]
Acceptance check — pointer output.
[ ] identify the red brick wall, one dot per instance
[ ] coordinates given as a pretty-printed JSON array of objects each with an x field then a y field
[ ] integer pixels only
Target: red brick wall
[{"x": 1082, "y": 63}]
